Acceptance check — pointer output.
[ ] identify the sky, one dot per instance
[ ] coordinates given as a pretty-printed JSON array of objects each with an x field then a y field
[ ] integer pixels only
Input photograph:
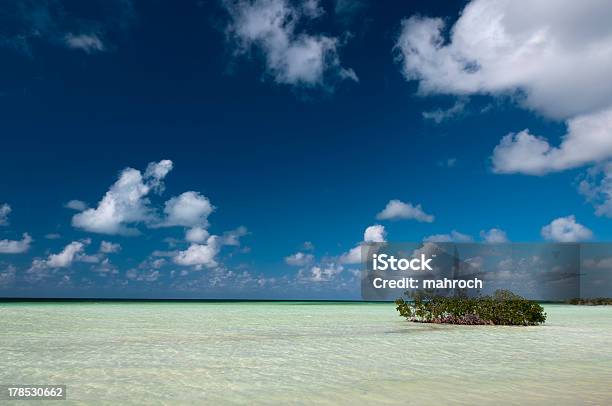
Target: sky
[{"x": 244, "y": 149}]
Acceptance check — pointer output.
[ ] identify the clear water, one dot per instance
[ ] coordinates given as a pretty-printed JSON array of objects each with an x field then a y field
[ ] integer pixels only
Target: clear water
[{"x": 301, "y": 353}]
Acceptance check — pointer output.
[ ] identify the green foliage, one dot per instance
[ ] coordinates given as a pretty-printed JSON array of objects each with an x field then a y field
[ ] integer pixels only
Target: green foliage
[
  {"x": 596, "y": 301},
  {"x": 503, "y": 308}
]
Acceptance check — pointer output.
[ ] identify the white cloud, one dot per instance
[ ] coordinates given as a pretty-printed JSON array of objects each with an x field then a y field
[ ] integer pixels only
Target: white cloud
[
  {"x": 232, "y": 237},
  {"x": 566, "y": 229},
  {"x": 52, "y": 236},
  {"x": 142, "y": 275},
  {"x": 292, "y": 56},
  {"x": 299, "y": 259},
  {"x": 63, "y": 259},
  {"x": 597, "y": 188},
  {"x": 26, "y": 23},
  {"x": 125, "y": 203},
  {"x": 189, "y": 209},
  {"x": 7, "y": 276},
  {"x": 588, "y": 139},
  {"x": 199, "y": 255},
  {"x": 107, "y": 247},
  {"x": 321, "y": 273},
  {"x": 554, "y": 60},
  {"x": 77, "y": 205},
  {"x": 5, "y": 210},
  {"x": 454, "y": 236},
  {"x": 373, "y": 234},
  {"x": 196, "y": 234},
  {"x": 494, "y": 47},
  {"x": 88, "y": 43},
  {"x": 16, "y": 246},
  {"x": 440, "y": 115},
  {"x": 494, "y": 236},
  {"x": 397, "y": 209}
]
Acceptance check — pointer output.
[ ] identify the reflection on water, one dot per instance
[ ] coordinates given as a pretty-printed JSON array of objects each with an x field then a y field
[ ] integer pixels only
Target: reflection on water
[{"x": 262, "y": 353}]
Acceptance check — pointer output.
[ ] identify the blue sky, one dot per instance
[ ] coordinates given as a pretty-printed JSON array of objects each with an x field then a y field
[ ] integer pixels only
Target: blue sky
[{"x": 299, "y": 121}]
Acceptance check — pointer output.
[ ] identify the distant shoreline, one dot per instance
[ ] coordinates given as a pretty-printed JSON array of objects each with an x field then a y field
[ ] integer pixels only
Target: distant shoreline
[
  {"x": 132, "y": 300},
  {"x": 28, "y": 299}
]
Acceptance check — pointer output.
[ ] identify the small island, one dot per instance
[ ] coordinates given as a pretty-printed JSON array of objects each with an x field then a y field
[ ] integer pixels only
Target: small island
[
  {"x": 595, "y": 301},
  {"x": 502, "y": 308}
]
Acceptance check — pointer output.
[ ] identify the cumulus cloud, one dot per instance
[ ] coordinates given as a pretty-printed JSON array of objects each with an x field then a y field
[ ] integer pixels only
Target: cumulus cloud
[
  {"x": 189, "y": 209},
  {"x": 275, "y": 28},
  {"x": 88, "y": 43},
  {"x": 566, "y": 229},
  {"x": 77, "y": 205},
  {"x": 299, "y": 259},
  {"x": 321, "y": 273},
  {"x": 196, "y": 234},
  {"x": 63, "y": 259},
  {"x": 597, "y": 188},
  {"x": 454, "y": 236},
  {"x": 16, "y": 246},
  {"x": 494, "y": 236},
  {"x": 125, "y": 203},
  {"x": 555, "y": 61},
  {"x": 373, "y": 234},
  {"x": 107, "y": 247},
  {"x": 396, "y": 210},
  {"x": 232, "y": 237},
  {"x": 5, "y": 210},
  {"x": 200, "y": 255},
  {"x": 588, "y": 140}
]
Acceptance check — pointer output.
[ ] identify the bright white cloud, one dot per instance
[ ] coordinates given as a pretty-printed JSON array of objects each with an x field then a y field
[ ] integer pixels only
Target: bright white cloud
[
  {"x": 77, "y": 205},
  {"x": 396, "y": 210},
  {"x": 454, "y": 236},
  {"x": 5, "y": 210},
  {"x": 199, "y": 255},
  {"x": 196, "y": 234},
  {"x": 16, "y": 246},
  {"x": 494, "y": 236},
  {"x": 588, "y": 139},
  {"x": 321, "y": 273},
  {"x": 189, "y": 209},
  {"x": 373, "y": 234},
  {"x": 292, "y": 56},
  {"x": 554, "y": 60},
  {"x": 566, "y": 229},
  {"x": 559, "y": 55},
  {"x": 125, "y": 203},
  {"x": 299, "y": 259},
  {"x": 107, "y": 247},
  {"x": 88, "y": 43},
  {"x": 63, "y": 259}
]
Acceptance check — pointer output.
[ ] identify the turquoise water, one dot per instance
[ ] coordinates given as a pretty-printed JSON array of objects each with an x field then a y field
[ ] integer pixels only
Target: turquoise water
[{"x": 301, "y": 353}]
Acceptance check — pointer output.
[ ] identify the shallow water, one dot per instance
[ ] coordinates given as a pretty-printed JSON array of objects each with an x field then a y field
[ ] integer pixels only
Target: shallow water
[{"x": 301, "y": 353}]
